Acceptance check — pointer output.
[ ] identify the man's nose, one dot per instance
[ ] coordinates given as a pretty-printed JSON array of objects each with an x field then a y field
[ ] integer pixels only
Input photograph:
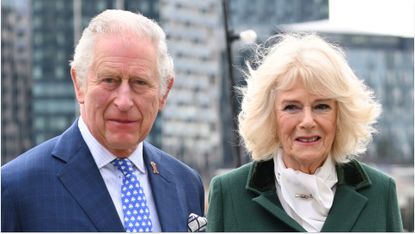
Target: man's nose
[
  {"x": 123, "y": 99},
  {"x": 307, "y": 120}
]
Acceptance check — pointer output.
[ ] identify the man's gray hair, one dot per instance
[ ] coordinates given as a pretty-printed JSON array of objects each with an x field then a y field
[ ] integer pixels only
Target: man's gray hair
[{"x": 119, "y": 21}]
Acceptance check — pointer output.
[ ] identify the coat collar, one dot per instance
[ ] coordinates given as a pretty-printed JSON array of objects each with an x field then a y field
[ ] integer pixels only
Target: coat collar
[
  {"x": 347, "y": 204},
  {"x": 348, "y": 201}
]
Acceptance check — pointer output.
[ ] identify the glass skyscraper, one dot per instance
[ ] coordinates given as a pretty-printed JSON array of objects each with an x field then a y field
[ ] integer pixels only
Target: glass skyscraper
[{"x": 15, "y": 79}]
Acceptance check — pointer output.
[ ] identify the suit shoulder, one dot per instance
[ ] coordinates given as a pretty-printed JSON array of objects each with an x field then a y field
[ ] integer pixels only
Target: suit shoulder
[
  {"x": 175, "y": 164},
  {"x": 27, "y": 168},
  {"x": 30, "y": 159}
]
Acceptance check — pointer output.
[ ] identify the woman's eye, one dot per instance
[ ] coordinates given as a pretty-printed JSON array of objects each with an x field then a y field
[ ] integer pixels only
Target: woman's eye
[
  {"x": 322, "y": 107},
  {"x": 291, "y": 108}
]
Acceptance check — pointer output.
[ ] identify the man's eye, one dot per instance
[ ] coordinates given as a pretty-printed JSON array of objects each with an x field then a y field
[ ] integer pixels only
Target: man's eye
[
  {"x": 109, "y": 80},
  {"x": 139, "y": 82}
]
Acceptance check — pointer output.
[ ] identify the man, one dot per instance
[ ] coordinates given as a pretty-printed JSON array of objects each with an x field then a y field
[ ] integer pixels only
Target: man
[{"x": 100, "y": 174}]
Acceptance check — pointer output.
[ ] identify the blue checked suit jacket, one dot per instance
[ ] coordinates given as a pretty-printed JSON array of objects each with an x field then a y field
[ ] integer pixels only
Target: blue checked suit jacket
[{"x": 57, "y": 186}]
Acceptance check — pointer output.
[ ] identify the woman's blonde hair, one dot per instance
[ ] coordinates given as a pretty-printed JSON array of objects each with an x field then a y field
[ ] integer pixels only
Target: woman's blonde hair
[{"x": 323, "y": 69}]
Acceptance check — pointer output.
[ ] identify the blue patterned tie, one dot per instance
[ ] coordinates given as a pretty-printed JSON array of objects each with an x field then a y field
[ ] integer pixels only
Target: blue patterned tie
[{"x": 134, "y": 203}]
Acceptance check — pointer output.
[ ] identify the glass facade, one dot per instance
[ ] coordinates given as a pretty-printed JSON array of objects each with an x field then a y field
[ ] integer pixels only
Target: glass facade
[
  {"x": 15, "y": 79},
  {"x": 264, "y": 16},
  {"x": 386, "y": 64},
  {"x": 191, "y": 127}
]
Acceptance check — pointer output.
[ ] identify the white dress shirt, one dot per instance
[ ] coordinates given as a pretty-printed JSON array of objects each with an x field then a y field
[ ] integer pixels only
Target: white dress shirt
[
  {"x": 113, "y": 177},
  {"x": 306, "y": 198}
]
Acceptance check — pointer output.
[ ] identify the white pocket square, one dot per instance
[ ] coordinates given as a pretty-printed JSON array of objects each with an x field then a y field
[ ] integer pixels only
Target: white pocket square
[{"x": 196, "y": 223}]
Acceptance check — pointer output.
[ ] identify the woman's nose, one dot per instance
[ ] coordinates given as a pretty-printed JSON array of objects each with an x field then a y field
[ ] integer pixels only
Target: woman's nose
[{"x": 307, "y": 120}]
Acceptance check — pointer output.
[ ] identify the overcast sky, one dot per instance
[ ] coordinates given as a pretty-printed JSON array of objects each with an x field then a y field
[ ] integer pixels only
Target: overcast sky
[{"x": 387, "y": 16}]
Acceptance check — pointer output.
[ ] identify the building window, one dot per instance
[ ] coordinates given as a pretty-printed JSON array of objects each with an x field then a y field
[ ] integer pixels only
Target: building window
[{"x": 37, "y": 73}]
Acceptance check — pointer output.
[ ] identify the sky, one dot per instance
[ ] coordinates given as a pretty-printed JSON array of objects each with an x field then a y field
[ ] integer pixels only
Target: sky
[{"x": 394, "y": 17}]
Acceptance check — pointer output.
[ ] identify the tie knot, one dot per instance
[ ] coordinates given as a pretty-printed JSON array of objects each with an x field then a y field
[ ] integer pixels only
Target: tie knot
[{"x": 124, "y": 165}]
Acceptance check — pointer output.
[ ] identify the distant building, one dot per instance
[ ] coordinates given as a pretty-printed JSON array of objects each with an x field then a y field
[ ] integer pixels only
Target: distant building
[
  {"x": 266, "y": 15},
  {"x": 191, "y": 120},
  {"x": 386, "y": 63},
  {"x": 53, "y": 99},
  {"x": 15, "y": 79}
]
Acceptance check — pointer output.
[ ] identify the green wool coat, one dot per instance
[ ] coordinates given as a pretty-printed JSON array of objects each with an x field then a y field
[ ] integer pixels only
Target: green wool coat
[{"x": 245, "y": 200}]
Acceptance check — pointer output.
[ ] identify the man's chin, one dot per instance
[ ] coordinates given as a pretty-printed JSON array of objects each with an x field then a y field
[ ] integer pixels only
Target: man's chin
[{"x": 123, "y": 149}]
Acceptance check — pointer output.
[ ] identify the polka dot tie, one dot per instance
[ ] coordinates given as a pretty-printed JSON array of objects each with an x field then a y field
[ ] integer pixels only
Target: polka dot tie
[{"x": 134, "y": 203}]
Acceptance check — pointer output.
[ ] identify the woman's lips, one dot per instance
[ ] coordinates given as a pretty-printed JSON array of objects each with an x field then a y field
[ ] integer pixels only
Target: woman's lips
[{"x": 310, "y": 139}]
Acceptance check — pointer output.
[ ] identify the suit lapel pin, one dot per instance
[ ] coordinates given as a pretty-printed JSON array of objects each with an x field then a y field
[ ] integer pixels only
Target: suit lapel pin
[{"x": 154, "y": 167}]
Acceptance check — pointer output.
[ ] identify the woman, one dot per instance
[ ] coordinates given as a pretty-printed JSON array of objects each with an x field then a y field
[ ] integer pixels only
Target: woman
[{"x": 305, "y": 115}]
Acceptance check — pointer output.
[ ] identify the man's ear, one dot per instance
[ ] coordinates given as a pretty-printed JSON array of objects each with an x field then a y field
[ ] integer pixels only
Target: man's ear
[
  {"x": 79, "y": 90},
  {"x": 163, "y": 99}
]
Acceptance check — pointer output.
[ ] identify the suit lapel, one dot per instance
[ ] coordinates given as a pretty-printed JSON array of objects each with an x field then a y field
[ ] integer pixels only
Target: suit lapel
[
  {"x": 82, "y": 179},
  {"x": 163, "y": 185}
]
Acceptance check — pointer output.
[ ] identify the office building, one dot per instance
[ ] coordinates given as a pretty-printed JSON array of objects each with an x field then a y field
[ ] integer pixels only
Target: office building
[
  {"x": 15, "y": 79},
  {"x": 266, "y": 15},
  {"x": 191, "y": 120}
]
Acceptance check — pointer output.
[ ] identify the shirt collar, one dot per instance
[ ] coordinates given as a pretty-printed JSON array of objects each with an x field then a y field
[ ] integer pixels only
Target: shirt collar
[{"x": 102, "y": 156}]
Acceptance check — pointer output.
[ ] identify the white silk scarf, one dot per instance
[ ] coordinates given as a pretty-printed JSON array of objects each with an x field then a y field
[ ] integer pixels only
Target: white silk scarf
[{"x": 306, "y": 198}]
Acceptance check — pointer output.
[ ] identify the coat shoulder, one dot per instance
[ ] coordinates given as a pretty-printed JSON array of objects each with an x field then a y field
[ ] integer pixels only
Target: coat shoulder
[
  {"x": 235, "y": 176},
  {"x": 374, "y": 176},
  {"x": 373, "y": 173},
  {"x": 365, "y": 178}
]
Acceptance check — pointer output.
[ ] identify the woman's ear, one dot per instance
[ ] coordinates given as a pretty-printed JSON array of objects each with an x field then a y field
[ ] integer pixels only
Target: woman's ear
[{"x": 79, "y": 90}]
